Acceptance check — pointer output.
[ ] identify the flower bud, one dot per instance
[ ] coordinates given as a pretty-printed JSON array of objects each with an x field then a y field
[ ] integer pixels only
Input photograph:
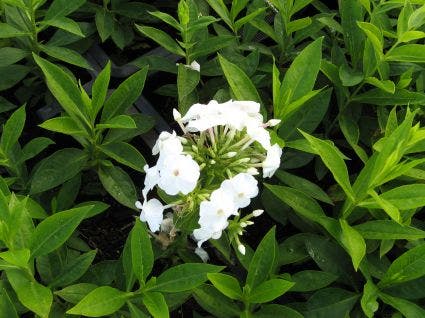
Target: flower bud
[
  {"x": 252, "y": 171},
  {"x": 241, "y": 249},
  {"x": 230, "y": 154},
  {"x": 249, "y": 223},
  {"x": 273, "y": 122},
  {"x": 243, "y": 224},
  {"x": 194, "y": 148},
  {"x": 257, "y": 213},
  {"x": 176, "y": 114}
]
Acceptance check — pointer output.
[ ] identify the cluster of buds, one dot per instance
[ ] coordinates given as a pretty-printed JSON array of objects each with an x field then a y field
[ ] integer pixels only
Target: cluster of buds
[{"x": 209, "y": 170}]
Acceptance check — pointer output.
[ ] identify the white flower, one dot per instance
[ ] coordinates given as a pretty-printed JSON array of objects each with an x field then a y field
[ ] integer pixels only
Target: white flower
[
  {"x": 202, "y": 254},
  {"x": 247, "y": 106},
  {"x": 178, "y": 173},
  {"x": 204, "y": 234},
  {"x": 241, "y": 249},
  {"x": 243, "y": 187},
  {"x": 151, "y": 212},
  {"x": 259, "y": 134},
  {"x": 213, "y": 214},
  {"x": 167, "y": 144},
  {"x": 272, "y": 161},
  {"x": 151, "y": 179},
  {"x": 257, "y": 213},
  {"x": 194, "y": 66}
]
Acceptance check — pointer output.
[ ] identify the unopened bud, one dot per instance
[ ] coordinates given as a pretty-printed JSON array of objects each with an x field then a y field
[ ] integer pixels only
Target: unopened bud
[
  {"x": 252, "y": 171},
  {"x": 230, "y": 154},
  {"x": 244, "y": 160},
  {"x": 194, "y": 148},
  {"x": 240, "y": 232},
  {"x": 176, "y": 114},
  {"x": 212, "y": 161},
  {"x": 182, "y": 140},
  {"x": 243, "y": 224},
  {"x": 273, "y": 122},
  {"x": 257, "y": 213},
  {"x": 249, "y": 223},
  {"x": 241, "y": 249}
]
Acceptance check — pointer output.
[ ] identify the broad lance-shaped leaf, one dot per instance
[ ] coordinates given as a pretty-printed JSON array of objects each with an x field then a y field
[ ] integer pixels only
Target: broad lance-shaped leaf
[
  {"x": 64, "y": 89},
  {"x": 353, "y": 243},
  {"x": 388, "y": 230},
  {"x": 6, "y": 305},
  {"x": 12, "y": 130},
  {"x": 226, "y": 284},
  {"x": 263, "y": 260},
  {"x": 156, "y": 305},
  {"x": 102, "y": 301},
  {"x": 239, "y": 82},
  {"x": 161, "y": 38},
  {"x": 52, "y": 171},
  {"x": 142, "y": 257},
  {"x": 31, "y": 294},
  {"x": 300, "y": 78},
  {"x": 333, "y": 159},
  {"x": 269, "y": 290},
  {"x": 126, "y": 154},
  {"x": 405, "y": 307},
  {"x": 119, "y": 185},
  {"x": 125, "y": 95},
  {"x": 52, "y": 232},
  {"x": 99, "y": 90},
  {"x": 408, "y": 266},
  {"x": 184, "y": 277}
]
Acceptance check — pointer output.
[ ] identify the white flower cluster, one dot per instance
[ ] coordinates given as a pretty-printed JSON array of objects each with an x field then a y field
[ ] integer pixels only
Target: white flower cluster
[{"x": 211, "y": 167}]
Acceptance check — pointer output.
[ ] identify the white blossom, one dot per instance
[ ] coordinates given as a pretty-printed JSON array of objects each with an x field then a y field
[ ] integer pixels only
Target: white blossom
[
  {"x": 151, "y": 179},
  {"x": 241, "y": 249},
  {"x": 194, "y": 66},
  {"x": 259, "y": 134},
  {"x": 243, "y": 187},
  {"x": 272, "y": 161},
  {"x": 178, "y": 173},
  {"x": 151, "y": 212},
  {"x": 167, "y": 144},
  {"x": 203, "y": 255}
]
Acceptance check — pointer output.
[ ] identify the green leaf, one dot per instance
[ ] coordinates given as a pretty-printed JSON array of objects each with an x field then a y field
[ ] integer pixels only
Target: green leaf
[
  {"x": 11, "y": 55},
  {"x": 405, "y": 307},
  {"x": 101, "y": 301},
  {"x": 210, "y": 45},
  {"x": 221, "y": 9},
  {"x": 368, "y": 301},
  {"x": 412, "y": 36},
  {"x": 414, "y": 53},
  {"x": 6, "y": 305},
  {"x": 406, "y": 267},
  {"x": 19, "y": 258},
  {"x": 66, "y": 55},
  {"x": 299, "y": 24},
  {"x": 348, "y": 76},
  {"x": 187, "y": 81},
  {"x": 239, "y": 82},
  {"x": 310, "y": 280},
  {"x": 99, "y": 90},
  {"x": 388, "y": 230},
  {"x": 8, "y": 31},
  {"x": 417, "y": 18},
  {"x": 66, "y": 24},
  {"x": 353, "y": 243},
  {"x": 162, "y": 38},
  {"x": 262, "y": 262},
  {"x": 63, "y": 88},
  {"x": 52, "y": 172},
  {"x": 53, "y": 231},
  {"x": 301, "y": 75},
  {"x": 249, "y": 17},
  {"x": 226, "y": 284},
  {"x": 184, "y": 277},
  {"x": 118, "y": 122},
  {"x": 65, "y": 125},
  {"x": 400, "y": 97},
  {"x": 142, "y": 257},
  {"x": 31, "y": 294},
  {"x": 332, "y": 158},
  {"x": 12, "y": 74},
  {"x": 274, "y": 310},
  {"x": 119, "y": 185},
  {"x": 125, "y": 95},
  {"x": 330, "y": 302},
  {"x": 387, "y": 85},
  {"x": 387, "y": 206},
  {"x": 165, "y": 17},
  {"x": 12, "y": 130},
  {"x": 410, "y": 196},
  {"x": 269, "y": 290},
  {"x": 297, "y": 105},
  {"x": 215, "y": 302},
  {"x": 61, "y": 8},
  {"x": 75, "y": 293},
  {"x": 125, "y": 154},
  {"x": 156, "y": 305},
  {"x": 374, "y": 35},
  {"x": 104, "y": 20},
  {"x": 73, "y": 270},
  {"x": 34, "y": 147},
  {"x": 143, "y": 124}
]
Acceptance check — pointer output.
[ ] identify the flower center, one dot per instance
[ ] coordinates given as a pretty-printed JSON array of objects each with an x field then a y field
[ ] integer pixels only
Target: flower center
[
  {"x": 241, "y": 195},
  {"x": 220, "y": 212},
  {"x": 176, "y": 172}
]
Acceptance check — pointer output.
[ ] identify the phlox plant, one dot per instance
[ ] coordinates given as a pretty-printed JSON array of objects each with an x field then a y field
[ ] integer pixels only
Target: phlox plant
[{"x": 208, "y": 172}]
